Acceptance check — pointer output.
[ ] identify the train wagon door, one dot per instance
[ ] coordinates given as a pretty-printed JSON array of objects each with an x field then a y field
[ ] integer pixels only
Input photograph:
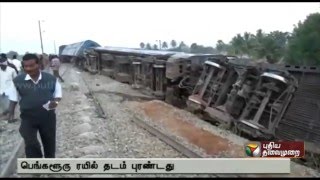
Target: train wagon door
[
  {"x": 137, "y": 73},
  {"x": 159, "y": 69},
  {"x": 123, "y": 69},
  {"x": 107, "y": 65}
]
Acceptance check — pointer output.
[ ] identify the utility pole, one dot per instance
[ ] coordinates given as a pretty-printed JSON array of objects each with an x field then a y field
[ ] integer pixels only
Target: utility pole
[
  {"x": 55, "y": 50},
  {"x": 0, "y": 31},
  {"x": 40, "y": 37}
]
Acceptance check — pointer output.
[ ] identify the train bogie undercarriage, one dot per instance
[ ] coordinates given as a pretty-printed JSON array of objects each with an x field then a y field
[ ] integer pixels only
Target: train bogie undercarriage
[{"x": 259, "y": 101}]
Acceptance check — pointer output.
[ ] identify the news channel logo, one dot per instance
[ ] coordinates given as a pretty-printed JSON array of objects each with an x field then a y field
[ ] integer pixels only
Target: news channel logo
[{"x": 253, "y": 149}]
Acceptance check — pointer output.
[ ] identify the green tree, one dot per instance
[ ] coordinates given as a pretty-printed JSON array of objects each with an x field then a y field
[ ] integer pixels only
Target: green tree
[
  {"x": 194, "y": 48},
  {"x": 304, "y": 43},
  {"x": 164, "y": 45},
  {"x": 142, "y": 45},
  {"x": 275, "y": 45},
  {"x": 155, "y": 47},
  {"x": 221, "y": 46},
  {"x": 237, "y": 43},
  {"x": 148, "y": 46},
  {"x": 182, "y": 44},
  {"x": 248, "y": 44},
  {"x": 258, "y": 51},
  {"x": 173, "y": 44},
  {"x": 183, "y": 47}
]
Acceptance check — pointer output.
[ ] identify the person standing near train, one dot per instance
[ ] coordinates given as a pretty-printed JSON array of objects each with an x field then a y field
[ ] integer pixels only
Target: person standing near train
[
  {"x": 4, "y": 57},
  {"x": 7, "y": 74},
  {"x": 38, "y": 94},
  {"x": 55, "y": 66},
  {"x": 16, "y": 63}
]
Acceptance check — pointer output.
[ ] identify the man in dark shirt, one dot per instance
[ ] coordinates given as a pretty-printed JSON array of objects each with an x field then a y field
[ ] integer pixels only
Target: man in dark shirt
[{"x": 38, "y": 94}]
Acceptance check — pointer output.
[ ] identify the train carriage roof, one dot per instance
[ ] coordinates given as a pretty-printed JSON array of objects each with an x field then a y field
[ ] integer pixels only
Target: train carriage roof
[
  {"x": 143, "y": 52},
  {"x": 135, "y": 52},
  {"x": 77, "y": 49},
  {"x": 199, "y": 57},
  {"x": 190, "y": 55}
]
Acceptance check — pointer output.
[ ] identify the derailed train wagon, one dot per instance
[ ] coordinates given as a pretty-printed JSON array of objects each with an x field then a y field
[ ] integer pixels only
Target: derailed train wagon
[
  {"x": 183, "y": 71},
  {"x": 144, "y": 69},
  {"x": 268, "y": 103},
  {"x": 213, "y": 84},
  {"x": 76, "y": 52},
  {"x": 301, "y": 121},
  {"x": 257, "y": 99},
  {"x": 168, "y": 75},
  {"x": 261, "y": 100},
  {"x": 291, "y": 108},
  {"x": 61, "y": 48}
]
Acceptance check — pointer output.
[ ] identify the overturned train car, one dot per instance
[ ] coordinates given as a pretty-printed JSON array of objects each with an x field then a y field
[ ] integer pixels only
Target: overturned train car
[
  {"x": 263, "y": 101},
  {"x": 143, "y": 69},
  {"x": 76, "y": 52},
  {"x": 168, "y": 75}
]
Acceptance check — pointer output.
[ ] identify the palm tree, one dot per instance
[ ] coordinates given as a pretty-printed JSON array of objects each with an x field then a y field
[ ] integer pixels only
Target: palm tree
[
  {"x": 155, "y": 47},
  {"x": 220, "y": 46},
  {"x": 260, "y": 41},
  {"x": 182, "y": 44},
  {"x": 173, "y": 44},
  {"x": 164, "y": 45},
  {"x": 248, "y": 43},
  {"x": 237, "y": 43}
]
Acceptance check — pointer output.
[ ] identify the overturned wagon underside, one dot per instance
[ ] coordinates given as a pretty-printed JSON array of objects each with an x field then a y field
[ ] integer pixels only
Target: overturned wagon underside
[
  {"x": 264, "y": 101},
  {"x": 302, "y": 119}
]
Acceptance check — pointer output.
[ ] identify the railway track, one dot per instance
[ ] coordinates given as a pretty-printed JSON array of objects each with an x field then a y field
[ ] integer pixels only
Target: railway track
[
  {"x": 187, "y": 152},
  {"x": 11, "y": 165},
  {"x": 163, "y": 73},
  {"x": 152, "y": 130},
  {"x": 162, "y": 136}
]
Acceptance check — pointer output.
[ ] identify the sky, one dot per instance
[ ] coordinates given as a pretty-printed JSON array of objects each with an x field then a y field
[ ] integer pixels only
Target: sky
[{"x": 128, "y": 24}]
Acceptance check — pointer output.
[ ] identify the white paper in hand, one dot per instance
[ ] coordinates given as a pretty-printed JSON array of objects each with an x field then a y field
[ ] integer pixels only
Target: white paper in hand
[{"x": 46, "y": 106}]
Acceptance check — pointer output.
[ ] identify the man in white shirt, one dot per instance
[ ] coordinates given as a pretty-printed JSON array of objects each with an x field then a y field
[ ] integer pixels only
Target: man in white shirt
[
  {"x": 55, "y": 66},
  {"x": 16, "y": 62},
  {"x": 7, "y": 74},
  {"x": 38, "y": 94},
  {"x": 3, "y": 56}
]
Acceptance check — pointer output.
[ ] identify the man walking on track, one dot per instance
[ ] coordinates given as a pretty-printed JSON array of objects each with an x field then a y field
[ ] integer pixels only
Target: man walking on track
[
  {"x": 7, "y": 74},
  {"x": 55, "y": 66},
  {"x": 4, "y": 58},
  {"x": 38, "y": 94},
  {"x": 16, "y": 63}
]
